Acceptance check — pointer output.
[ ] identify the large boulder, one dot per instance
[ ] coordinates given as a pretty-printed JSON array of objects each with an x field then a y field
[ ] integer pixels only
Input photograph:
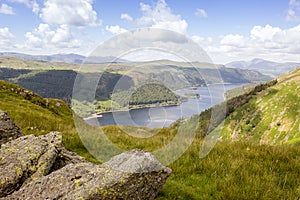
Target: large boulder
[
  {"x": 40, "y": 168},
  {"x": 134, "y": 161},
  {"x": 66, "y": 157},
  {"x": 27, "y": 158},
  {"x": 132, "y": 175},
  {"x": 8, "y": 130}
]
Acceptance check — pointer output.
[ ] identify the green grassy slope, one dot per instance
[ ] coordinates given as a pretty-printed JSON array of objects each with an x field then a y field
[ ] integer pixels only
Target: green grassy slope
[
  {"x": 36, "y": 115},
  {"x": 232, "y": 170},
  {"x": 271, "y": 117}
]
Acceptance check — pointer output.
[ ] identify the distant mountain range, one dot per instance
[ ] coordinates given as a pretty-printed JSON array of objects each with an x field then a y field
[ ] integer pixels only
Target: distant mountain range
[
  {"x": 65, "y": 58},
  {"x": 270, "y": 68},
  {"x": 264, "y": 66},
  {"x": 56, "y": 79}
]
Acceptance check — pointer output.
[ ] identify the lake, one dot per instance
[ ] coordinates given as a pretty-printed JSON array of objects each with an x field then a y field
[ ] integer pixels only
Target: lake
[{"x": 158, "y": 117}]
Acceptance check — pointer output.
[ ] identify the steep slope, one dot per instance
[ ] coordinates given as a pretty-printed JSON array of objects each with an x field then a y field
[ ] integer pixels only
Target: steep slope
[
  {"x": 272, "y": 116},
  {"x": 36, "y": 115}
]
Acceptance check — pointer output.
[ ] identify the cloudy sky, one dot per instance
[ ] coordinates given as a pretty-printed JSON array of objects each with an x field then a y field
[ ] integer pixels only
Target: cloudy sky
[{"x": 227, "y": 30}]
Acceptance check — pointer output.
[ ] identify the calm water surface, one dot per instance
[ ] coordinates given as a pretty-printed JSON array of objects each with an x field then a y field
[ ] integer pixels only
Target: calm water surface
[{"x": 158, "y": 117}]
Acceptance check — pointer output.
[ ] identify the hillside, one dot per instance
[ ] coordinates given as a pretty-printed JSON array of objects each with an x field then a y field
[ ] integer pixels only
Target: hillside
[
  {"x": 36, "y": 115},
  {"x": 59, "y": 83},
  {"x": 146, "y": 94},
  {"x": 271, "y": 117},
  {"x": 219, "y": 175},
  {"x": 232, "y": 170},
  {"x": 56, "y": 80}
]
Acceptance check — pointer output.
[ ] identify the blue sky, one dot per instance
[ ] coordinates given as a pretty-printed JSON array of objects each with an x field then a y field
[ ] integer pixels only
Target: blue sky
[{"x": 226, "y": 30}]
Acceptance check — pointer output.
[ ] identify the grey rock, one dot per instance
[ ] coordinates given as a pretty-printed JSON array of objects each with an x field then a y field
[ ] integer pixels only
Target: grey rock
[
  {"x": 66, "y": 157},
  {"x": 108, "y": 181},
  {"x": 27, "y": 158},
  {"x": 40, "y": 168},
  {"x": 135, "y": 161},
  {"x": 8, "y": 130}
]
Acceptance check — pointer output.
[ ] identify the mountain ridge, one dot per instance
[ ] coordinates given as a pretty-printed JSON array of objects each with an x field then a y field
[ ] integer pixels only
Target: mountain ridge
[
  {"x": 265, "y": 66},
  {"x": 71, "y": 58},
  {"x": 56, "y": 80}
]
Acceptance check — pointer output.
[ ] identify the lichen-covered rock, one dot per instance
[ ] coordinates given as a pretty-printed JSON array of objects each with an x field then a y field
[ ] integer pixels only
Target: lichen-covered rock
[
  {"x": 134, "y": 161},
  {"x": 66, "y": 157},
  {"x": 40, "y": 168},
  {"x": 116, "y": 179},
  {"x": 8, "y": 130},
  {"x": 27, "y": 158}
]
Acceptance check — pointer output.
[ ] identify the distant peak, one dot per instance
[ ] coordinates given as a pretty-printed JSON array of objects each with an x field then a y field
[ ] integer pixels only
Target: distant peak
[{"x": 257, "y": 60}]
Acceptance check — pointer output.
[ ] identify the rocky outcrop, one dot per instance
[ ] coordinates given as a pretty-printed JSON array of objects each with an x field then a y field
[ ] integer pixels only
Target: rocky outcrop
[
  {"x": 89, "y": 181},
  {"x": 8, "y": 130},
  {"x": 66, "y": 157},
  {"x": 27, "y": 158},
  {"x": 135, "y": 161},
  {"x": 40, "y": 168}
]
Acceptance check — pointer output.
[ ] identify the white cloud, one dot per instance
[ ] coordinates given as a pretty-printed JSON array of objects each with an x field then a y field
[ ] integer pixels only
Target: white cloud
[
  {"x": 126, "y": 17},
  {"x": 7, "y": 10},
  {"x": 158, "y": 16},
  {"x": 6, "y": 38},
  {"x": 5, "y": 33},
  {"x": 35, "y": 7},
  {"x": 291, "y": 15},
  {"x": 161, "y": 16},
  {"x": 30, "y": 4},
  {"x": 33, "y": 41},
  {"x": 203, "y": 42},
  {"x": 115, "y": 29},
  {"x": 69, "y": 12},
  {"x": 45, "y": 37},
  {"x": 264, "y": 34},
  {"x": 265, "y": 42},
  {"x": 293, "y": 11},
  {"x": 233, "y": 40},
  {"x": 61, "y": 20},
  {"x": 62, "y": 35},
  {"x": 141, "y": 44},
  {"x": 201, "y": 13}
]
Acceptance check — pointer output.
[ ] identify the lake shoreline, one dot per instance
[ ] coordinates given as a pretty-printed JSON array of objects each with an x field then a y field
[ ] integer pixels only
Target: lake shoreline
[
  {"x": 142, "y": 117},
  {"x": 99, "y": 114}
]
